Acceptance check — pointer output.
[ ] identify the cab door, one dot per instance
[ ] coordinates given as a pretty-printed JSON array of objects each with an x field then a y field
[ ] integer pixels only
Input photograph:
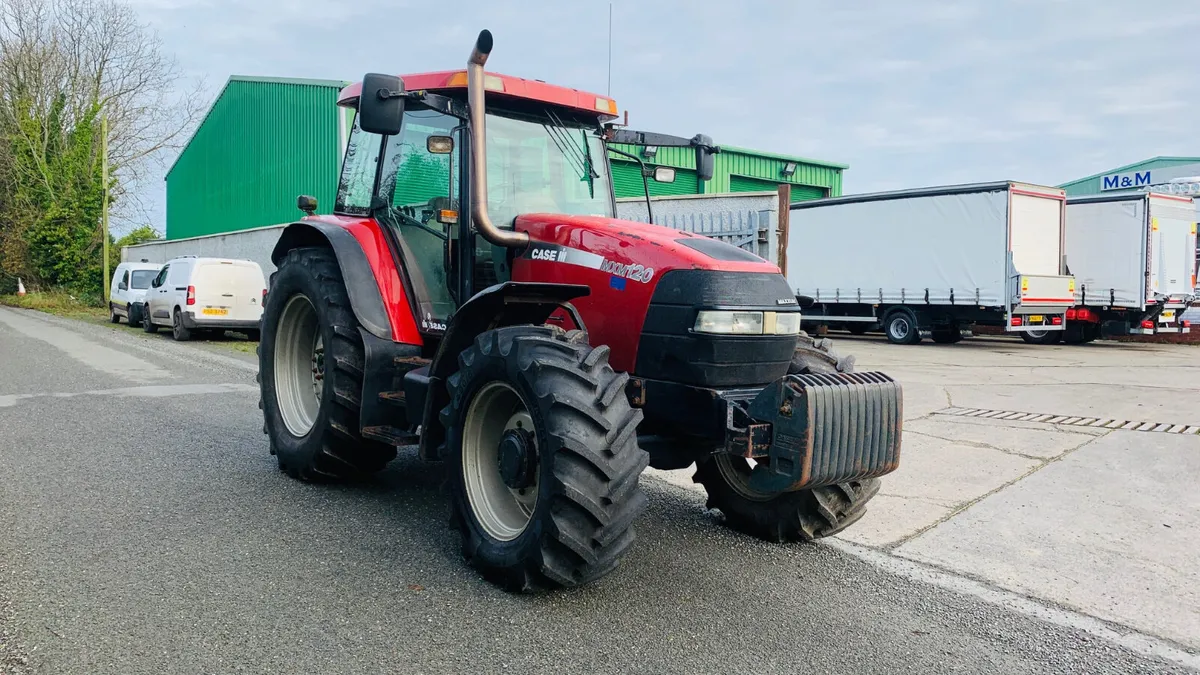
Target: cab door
[
  {"x": 419, "y": 181},
  {"x": 156, "y": 295}
]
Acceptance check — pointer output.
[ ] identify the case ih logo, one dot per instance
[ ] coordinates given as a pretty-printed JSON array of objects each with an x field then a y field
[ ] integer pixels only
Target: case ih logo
[{"x": 1126, "y": 181}]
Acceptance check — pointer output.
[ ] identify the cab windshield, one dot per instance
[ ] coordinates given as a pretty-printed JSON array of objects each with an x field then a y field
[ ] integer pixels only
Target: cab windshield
[{"x": 543, "y": 166}]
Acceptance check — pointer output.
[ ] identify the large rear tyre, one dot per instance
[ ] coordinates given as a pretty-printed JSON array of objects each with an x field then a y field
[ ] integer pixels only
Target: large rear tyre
[
  {"x": 310, "y": 363},
  {"x": 802, "y": 515},
  {"x": 1042, "y": 337},
  {"x": 901, "y": 327},
  {"x": 542, "y": 459}
]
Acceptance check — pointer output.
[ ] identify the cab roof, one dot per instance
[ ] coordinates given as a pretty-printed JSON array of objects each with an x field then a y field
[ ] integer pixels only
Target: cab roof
[{"x": 447, "y": 81}]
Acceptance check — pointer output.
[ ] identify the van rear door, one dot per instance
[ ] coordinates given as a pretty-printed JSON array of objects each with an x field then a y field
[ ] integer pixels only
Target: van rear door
[{"x": 229, "y": 289}]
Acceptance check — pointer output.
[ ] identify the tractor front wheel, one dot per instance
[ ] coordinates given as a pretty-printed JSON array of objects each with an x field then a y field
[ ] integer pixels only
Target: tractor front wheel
[
  {"x": 801, "y": 515},
  {"x": 542, "y": 458},
  {"x": 310, "y": 364}
]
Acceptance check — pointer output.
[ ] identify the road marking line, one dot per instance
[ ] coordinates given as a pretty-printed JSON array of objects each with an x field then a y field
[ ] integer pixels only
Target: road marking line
[
  {"x": 151, "y": 391},
  {"x": 87, "y": 352},
  {"x": 1009, "y": 415},
  {"x": 1123, "y": 636}
]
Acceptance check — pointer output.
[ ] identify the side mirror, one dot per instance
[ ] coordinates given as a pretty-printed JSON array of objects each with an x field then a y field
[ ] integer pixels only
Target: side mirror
[
  {"x": 439, "y": 145},
  {"x": 704, "y": 156},
  {"x": 664, "y": 174},
  {"x": 122, "y": 287},
  {"x": 307, "y": 204},
  {"x": 805, "y": 301},
  {"x": 381, "y": 104}
]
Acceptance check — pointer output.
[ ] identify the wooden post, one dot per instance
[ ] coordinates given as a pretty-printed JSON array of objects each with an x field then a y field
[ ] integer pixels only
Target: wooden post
[
  {"x": 784, "y": 219},
  {"x": 104, "y": 213}
]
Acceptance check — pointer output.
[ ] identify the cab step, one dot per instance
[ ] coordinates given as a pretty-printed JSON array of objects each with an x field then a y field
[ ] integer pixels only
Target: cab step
[
  {"x": 394, "y": 397},
  {"x": 412, "y": 362},
  {"x": 390, "y": 435}
]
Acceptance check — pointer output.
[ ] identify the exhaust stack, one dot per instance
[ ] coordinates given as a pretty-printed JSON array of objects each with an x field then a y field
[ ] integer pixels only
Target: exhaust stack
[{"x": 479, "y": 210}]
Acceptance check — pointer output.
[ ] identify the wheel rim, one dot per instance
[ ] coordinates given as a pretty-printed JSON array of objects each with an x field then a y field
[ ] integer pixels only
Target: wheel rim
[
  {"x": 899, "y": 328},
  {"x": 504, "y": 512},
  {"x": 1037, "y": 334},
  {"x": 299, "y": 366},
  {"x": 736, "y": 472}
]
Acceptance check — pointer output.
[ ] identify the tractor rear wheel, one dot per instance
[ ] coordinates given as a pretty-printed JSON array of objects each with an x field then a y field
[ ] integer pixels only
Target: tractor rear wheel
[
  {"x": 802, "y": 515},
  {"x": 310, "y": 372},
  {"x": 542, "y": 458}
]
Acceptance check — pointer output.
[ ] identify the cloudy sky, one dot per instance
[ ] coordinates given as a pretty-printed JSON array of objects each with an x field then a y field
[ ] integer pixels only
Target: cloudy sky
[{"x": 908, "y": 93}]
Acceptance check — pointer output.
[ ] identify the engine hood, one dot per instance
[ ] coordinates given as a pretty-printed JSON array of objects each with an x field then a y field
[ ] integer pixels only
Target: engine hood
[{"x": 627, "y": 242}]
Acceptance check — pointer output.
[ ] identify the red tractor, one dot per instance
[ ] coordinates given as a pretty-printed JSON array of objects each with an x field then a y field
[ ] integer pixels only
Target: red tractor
[{"x": 473, "y": 294}]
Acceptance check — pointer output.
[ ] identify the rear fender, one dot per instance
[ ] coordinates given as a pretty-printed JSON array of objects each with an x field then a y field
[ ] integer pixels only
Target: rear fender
[
  {"x": 507, "y": 304},
  {"x": 361, "y": 286}
]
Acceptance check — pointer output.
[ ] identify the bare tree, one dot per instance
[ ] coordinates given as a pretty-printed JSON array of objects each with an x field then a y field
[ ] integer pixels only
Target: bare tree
[{"x": 94, "y": 55}]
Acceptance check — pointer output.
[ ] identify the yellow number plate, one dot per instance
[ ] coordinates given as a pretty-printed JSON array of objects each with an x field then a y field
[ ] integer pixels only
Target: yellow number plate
[
  {"x": 1167, "y": 314},
  {"x": 214, "y": 311},
  {"x": 1036, "y": 318}
]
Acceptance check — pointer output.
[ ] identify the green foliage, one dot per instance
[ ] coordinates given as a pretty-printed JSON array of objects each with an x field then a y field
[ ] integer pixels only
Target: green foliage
[
  {"x": 53, "y": 198},
  {"x": 139, "y": 235}
]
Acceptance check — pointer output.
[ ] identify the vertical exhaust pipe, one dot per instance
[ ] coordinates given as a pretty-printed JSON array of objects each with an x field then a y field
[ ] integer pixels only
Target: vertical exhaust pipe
[{"x": 479, "y": 210}]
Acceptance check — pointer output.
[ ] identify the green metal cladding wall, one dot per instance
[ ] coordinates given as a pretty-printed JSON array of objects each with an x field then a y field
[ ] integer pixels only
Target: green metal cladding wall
[
  {"x": 264, "y": 142},
  {"x": 734, "y": 170},
  {"x": 1093, "y": 184}
]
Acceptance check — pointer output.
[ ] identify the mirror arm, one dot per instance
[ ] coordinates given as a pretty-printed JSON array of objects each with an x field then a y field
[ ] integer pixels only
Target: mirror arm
[{"x": 645, "y": 179}]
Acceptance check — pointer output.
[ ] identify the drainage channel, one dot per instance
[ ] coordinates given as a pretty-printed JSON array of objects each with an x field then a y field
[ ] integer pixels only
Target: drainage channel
[{"x": 1070, "y": 420}]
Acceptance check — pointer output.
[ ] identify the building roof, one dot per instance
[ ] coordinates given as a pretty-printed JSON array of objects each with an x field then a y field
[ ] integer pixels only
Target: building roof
[
  {"x": 298, "y": 81},
  {"x": 786, "y": 158},
  {"x": 1129, "y": 167}
]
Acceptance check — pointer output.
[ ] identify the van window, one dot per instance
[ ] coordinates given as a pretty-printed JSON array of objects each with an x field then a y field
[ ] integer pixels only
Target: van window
[
  {"x": 125, "y": 279},
  {"x": 141, "y": 279},
  {"x": 162, "y": 277}
]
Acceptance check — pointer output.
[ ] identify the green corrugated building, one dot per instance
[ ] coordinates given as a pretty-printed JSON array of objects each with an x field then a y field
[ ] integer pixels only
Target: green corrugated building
[
  {"x": 266, "y": 140},
  {"x": 1136, "y": 176}
]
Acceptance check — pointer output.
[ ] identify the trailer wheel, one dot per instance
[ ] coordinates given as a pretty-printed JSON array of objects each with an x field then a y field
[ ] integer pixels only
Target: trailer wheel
[
  {"x": 901, "y": 327},
  {"x": 1043, "y": 337},
  {"x": 542, "y": 458},
  {"x": 802, "y": 515},
  {"x": 310, "y": 363}
]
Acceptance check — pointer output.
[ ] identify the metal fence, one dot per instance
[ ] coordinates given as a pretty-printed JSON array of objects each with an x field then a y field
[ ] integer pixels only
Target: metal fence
[{"x": 748, "y": 220}]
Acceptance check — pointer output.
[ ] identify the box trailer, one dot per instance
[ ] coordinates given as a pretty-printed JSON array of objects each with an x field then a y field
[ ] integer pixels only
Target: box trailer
[
  {"x": 1133, "y": 257},
  {"x": 933, "y": 261}
]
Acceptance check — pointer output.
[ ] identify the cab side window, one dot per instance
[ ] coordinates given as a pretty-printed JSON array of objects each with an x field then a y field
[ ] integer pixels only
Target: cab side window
[
  {"x": 162, "y": 276},
  {"x": 125, "y": 279}
]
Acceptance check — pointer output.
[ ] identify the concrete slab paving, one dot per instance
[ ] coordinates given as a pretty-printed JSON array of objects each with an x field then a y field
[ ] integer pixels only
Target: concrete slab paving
[
  {"x": 935, "y": 478},
  {"x": 1110, "y": 530},
  {"x": 1000, "y": 435}
]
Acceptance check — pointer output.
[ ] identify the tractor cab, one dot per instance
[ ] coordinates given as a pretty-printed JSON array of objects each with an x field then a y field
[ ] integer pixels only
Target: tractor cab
[{"x": 408, "y": 166}]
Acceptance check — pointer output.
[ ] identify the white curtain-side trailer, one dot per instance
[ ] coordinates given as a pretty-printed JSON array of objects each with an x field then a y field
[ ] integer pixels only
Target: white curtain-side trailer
[
  {"x": 1133, "y": 256},
  {"x": 932, "y": 261}
]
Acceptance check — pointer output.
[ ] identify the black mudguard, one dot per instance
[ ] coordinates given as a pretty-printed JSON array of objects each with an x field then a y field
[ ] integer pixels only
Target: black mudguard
[
  {"x": 505, "y": 304},
  {"x": 361, "y": 285}
]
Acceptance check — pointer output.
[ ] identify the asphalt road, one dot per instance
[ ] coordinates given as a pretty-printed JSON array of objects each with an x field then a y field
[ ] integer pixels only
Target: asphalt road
[{"x": 146, "y": 529}]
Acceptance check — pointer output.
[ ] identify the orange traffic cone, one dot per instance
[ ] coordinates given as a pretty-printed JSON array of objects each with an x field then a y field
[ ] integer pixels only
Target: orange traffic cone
[{"x": 20, "y": 287}]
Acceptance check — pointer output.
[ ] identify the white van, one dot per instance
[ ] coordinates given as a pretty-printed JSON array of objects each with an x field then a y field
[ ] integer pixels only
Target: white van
[
  {"x": 127, "y": 290},
  {"x": 206, "y": 294}
]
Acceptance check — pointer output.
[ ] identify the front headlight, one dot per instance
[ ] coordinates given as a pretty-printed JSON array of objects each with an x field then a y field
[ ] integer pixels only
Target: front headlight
[
  {"x": 729, "y": 323},
  {"x": 787, "y": 323}
]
